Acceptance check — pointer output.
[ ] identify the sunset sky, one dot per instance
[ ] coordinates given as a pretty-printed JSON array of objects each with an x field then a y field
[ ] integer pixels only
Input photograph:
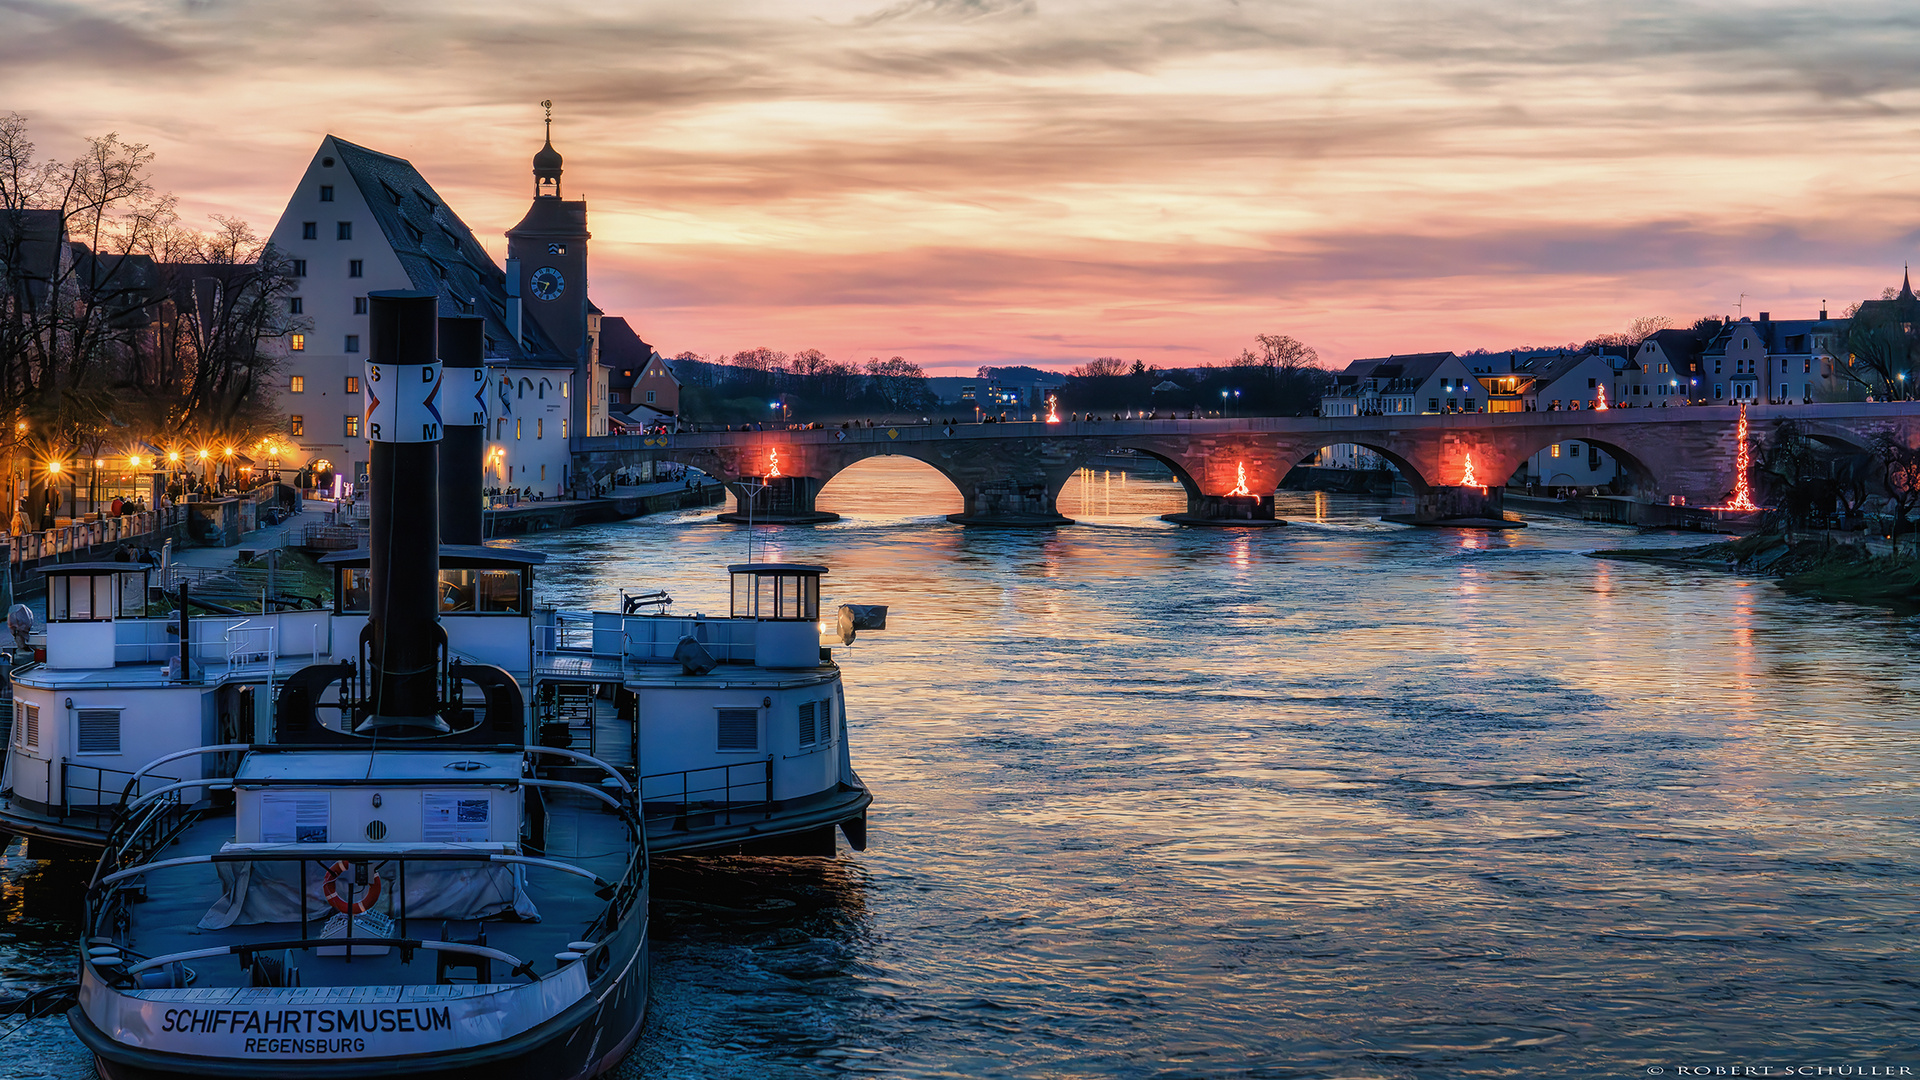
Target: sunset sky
[{"x": 968, "y": 182}]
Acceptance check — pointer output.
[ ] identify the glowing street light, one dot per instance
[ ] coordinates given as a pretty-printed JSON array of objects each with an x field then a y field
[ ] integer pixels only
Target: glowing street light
[{"x": 53, "y": 468}]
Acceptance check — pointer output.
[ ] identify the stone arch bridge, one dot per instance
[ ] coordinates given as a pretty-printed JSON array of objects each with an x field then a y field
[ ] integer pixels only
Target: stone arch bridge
[{"x": 1012, "y": 473}]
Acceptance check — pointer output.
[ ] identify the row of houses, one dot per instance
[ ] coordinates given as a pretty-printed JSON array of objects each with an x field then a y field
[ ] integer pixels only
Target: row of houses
[{"x": 1721, "y": 362}]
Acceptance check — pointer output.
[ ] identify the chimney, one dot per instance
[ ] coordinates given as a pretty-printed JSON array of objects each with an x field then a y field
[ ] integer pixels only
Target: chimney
[
  {"x": 401, "y": 388},
  {"x": 1766, "y": 316},
  {"x": 1823, "y": 314},
  {"x": 464, "y": 408}
]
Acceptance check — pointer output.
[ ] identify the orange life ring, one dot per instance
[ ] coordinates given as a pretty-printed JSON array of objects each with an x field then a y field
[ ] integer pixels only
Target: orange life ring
[{"x": 332, "y": 897}]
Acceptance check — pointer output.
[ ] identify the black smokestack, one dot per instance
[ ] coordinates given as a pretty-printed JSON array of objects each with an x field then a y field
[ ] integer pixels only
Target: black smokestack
[
  {"x": 403, "y": 424},
  {"x": 463, "y": 404}
]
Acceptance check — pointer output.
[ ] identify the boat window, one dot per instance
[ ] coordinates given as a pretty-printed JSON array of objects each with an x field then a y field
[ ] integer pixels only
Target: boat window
[
  {"x": 82, "y": 597},
  {"x": 495, "y": 592},
  {"x": 356, "y": 589}
]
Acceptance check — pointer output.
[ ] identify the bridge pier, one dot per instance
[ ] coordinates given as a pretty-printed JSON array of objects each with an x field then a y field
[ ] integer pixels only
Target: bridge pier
[
  {"x": 1232, "y": 511},
  {"x": 786, "y": 500},
  {"x": 1010, "y": 504},
  {"x": 1458, "y": 508}
]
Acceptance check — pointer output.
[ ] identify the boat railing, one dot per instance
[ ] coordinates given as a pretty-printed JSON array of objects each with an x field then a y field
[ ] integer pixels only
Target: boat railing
[
  {"x": 104, "y": 787},
  {"x": 734, "y": 791},
  {"x": 251, "y": 644},
  {"x": 123, "y": 879},
  {"x": 640, "y": 636}
]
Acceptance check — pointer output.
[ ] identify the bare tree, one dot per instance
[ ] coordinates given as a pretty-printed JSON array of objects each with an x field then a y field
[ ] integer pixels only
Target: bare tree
[
  {"x": 899, "y": 383},
  {"x": 1100, "y": 367},
  {"x": 1899, "y": 478}
]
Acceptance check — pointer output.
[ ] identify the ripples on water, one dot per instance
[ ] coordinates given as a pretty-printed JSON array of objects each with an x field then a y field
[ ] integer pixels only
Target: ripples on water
[{"x": 1340, "y": 799}]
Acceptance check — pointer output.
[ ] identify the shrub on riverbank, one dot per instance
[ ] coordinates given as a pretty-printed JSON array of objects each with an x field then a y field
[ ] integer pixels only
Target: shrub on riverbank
[{"x": 1824, "y": 569}]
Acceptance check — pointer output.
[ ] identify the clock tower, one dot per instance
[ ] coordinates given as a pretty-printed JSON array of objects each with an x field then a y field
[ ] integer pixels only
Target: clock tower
[{"x": 550, "y": 248}]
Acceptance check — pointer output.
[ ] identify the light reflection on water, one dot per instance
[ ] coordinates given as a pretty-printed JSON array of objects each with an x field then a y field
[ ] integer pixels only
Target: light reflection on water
[{"x": 1339, "y": 799}]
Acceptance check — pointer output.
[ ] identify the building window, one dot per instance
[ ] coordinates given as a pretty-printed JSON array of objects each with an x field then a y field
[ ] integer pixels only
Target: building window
[
  {"x": 649, "y": 397},
  {"x": 1556, "y": 449},
  {"x": 1717, "y": 395},
  {"x": 30, "y": 726},
  {"x": 296, "y": 306},
  {"x": 353, "y": 384},
  {"x": 296, "y": 426},
  {"x": 1573, "y": 449},
  {"x": 563, "y": 429},
  {"x": 516, "y": 429},
  {"x": 297, "y": 342},
  {"x": 299, "y": 268},
  {"x": 99, "y": 731},
  {"x": 556, "y": 249},
  {"x": 359, "y": 305},
  {"x": 298, "y": 384},
  {"x": 309, "y": 230},
  {"x": 355, "y": 268},
  {"x": 539, "y": 428},
  {"x": 326, "y": 192},
  {"x": 353, "y": 342},
  {"x": 353, "y": 426},
  {"x": 543, "y": 472},
  {"x": 344, "y": 231},
  {"x": 542, "y": 392}
]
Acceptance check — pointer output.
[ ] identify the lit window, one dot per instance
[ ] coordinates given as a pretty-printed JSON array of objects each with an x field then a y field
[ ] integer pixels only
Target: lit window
[
  {"x": 353, "y": 342},
  {"x": 353, "y": 384},
  {"x": 309, "y": 230},
  {"x": 296, "y": 306},
  {"x": 345, "y": 231},
  {"x": 326, "y": 192},
  {"x": 353, "y": 426},
  {"x": 298, "y": 384},
  {"x": 563, "y": 429},
  {"x": 296, "y": 426},
  {"x": 296, "y": 342},
  {"x": 1556, "y": 449},
  {"x": 359, "y": 305},
  {"x": 539, "y": 428},
  {"x": 355, "y": 268},
  {"x": 516, "y": 429}
]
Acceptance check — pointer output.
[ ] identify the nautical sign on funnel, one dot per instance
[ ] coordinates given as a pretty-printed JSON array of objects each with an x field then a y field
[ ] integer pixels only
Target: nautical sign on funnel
[{"x": 402, "y": 402}]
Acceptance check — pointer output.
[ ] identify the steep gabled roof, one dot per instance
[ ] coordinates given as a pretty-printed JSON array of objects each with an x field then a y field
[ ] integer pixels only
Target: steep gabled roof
[
  {"x": 622, "y": 350},
  {"x": 440, "y": 254}
]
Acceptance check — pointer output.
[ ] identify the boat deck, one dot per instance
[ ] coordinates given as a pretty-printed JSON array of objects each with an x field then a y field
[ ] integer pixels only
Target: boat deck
[{"x": 579, "y": 831}]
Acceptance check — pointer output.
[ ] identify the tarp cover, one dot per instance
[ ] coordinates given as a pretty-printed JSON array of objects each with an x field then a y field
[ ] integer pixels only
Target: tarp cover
[{"x": 269, "y": 892}]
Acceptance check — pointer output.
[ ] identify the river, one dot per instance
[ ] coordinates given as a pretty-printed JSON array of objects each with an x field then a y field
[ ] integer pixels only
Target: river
[{"x": 1342, "y": 799}]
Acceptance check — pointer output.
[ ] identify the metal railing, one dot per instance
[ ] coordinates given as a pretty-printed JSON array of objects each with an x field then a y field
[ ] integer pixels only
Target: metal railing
[
  {"x": 104, "y": 785},
  {"x": 250, "y": 643},
  {"x": 722, "y": 799}
]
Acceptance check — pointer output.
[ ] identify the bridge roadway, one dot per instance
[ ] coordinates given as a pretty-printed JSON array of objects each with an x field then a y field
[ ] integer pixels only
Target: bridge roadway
[{"x": 1012, "y": 473}]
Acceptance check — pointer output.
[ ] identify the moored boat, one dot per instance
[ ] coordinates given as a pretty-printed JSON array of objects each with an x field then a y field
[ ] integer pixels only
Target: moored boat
[{"x": 390, "y": 886}]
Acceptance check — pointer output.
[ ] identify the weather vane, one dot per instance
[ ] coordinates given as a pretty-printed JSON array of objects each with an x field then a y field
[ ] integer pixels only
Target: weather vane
[{"x": 548, "y": 105}]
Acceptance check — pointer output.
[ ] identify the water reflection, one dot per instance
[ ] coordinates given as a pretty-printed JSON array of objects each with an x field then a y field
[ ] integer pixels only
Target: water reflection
[{"x": 1337, "y": 799}]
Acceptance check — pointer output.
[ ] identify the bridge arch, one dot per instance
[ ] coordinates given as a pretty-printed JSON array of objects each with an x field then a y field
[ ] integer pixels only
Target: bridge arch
[
  {"x": 1409, "y": 471},
  {"x": 860, "y": 465},
  {"x": 1639, "y": 478}
]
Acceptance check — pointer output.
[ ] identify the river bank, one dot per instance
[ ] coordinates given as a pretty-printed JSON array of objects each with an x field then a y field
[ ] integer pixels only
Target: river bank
[{"x": 1823, "y": 567}]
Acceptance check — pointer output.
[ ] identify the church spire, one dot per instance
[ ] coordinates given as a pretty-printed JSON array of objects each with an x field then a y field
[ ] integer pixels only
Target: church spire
[{"x": 546, "y": 163}]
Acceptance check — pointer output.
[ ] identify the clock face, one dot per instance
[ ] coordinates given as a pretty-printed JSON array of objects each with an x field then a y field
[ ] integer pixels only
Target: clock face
[{"x": 548, "y": 284}]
